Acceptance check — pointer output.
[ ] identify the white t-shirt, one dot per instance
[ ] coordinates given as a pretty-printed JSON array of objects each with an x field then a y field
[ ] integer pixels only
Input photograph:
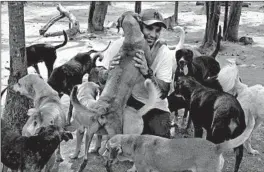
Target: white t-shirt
[{"x": 161, "y": 66}]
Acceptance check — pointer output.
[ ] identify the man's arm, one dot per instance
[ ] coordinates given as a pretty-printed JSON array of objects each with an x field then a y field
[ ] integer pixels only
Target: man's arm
[{"x": 162, "y": 85}]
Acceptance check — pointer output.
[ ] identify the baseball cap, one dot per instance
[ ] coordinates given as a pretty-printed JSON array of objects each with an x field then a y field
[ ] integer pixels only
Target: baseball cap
[{"x": 151, "y": 16}]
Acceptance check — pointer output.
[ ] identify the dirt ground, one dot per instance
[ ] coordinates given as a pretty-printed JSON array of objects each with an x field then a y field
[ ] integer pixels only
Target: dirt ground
[{"x": 250, "y": 58}]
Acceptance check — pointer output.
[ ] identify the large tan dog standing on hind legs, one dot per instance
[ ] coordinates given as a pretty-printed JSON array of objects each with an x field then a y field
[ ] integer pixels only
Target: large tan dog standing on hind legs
[{"x": 107, "y": 112}]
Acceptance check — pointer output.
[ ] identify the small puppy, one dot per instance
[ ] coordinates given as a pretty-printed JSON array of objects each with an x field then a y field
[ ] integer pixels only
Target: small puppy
[
  {"x": 44, "y": 53},
  {"x": 30, "y": 153},
  {"x": 153, "y": 153},
  {"x": 250, "y": 98},
  {"x": 65, "y": 77},
  {"x": 219, "y": 113},
  {"x": 47, "y": 106}
]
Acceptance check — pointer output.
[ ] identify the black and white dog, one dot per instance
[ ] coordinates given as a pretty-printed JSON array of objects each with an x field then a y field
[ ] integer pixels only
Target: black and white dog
[
  {"x": 219, "y": 113},
  {"x": 203, "y": 68}
]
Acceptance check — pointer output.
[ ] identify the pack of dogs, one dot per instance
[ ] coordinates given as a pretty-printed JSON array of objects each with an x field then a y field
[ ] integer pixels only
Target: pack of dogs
[{"x": 226, "y": 108}]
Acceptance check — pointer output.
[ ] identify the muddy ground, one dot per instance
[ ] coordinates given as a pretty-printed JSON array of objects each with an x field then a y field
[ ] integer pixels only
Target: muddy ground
[{"x": 250, "y": 58}]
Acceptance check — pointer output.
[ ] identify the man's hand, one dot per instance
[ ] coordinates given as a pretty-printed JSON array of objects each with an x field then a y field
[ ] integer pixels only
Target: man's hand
[{"x": 141, "y": 62}]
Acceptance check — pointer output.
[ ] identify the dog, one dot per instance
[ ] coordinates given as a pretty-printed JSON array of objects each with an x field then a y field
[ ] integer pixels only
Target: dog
[
  {"x": 219, "y": 113},
  {"x": 47, "y": 106},
  {"x": 175, "y": 103},
  {"x": 200, "y": 67},
  {"x": 44, "y": 53},
  {"x": 108, "y": 111},
  {"x": 251, "y": 98},
  {"x": 30, "y": 153},
  {"x": 87, "y": 94},
  {"x": 154, "y": 153},
  {"x": 66, "y": 76},
  {"x": 203, "y": 68}
]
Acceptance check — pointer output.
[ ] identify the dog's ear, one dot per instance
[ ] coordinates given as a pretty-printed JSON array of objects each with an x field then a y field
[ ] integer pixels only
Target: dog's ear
[
  {"x": 179, "y": 54},
  {"x": 119, "y": 23},
  {"x": 189, "y": 55},
  {"x": 66, "y": 136}
]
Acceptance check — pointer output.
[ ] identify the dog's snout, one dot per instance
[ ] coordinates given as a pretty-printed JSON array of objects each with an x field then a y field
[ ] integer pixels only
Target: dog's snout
[{"x": 181, "y": 62}]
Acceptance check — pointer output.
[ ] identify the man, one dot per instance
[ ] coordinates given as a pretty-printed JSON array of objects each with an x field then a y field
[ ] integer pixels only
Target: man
[{"x": 156, "y": 121}]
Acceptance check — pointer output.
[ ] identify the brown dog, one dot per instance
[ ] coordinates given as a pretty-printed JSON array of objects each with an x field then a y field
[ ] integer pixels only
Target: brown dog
[
  {"x": 108, "y": 111},
  {"x": 30, "y": 153},
  {"x": 47, "y": 106},
  {"x": 87, "y": 93},
  {"x": 153, "y": 153}
]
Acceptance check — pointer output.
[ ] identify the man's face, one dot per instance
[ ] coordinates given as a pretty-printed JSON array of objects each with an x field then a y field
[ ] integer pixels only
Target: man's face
[{"x": 151, "y": 33}]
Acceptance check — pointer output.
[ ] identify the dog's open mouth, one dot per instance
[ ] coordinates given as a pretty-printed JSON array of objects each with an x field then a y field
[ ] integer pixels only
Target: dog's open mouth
[{"x": 184, "y": 69}]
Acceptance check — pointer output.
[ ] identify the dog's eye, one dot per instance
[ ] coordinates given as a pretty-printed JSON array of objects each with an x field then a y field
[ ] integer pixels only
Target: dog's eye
[
  {"x": 51, "y": 122},
  {"x": 18, "y": 84}
]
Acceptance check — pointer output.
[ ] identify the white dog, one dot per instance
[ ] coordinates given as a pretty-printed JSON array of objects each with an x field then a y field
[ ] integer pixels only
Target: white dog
[{"x": 250, "y": 98}]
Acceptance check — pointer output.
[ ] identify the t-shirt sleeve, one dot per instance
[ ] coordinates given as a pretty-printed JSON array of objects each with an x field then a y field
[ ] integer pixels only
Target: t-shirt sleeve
[{"x": 164, "y": 67}]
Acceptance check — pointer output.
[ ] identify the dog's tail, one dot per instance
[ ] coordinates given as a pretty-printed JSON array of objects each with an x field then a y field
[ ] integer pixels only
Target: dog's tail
[
  {"x": 218, "y": 43},
  {"x": 154, "y": 94},
  {"x": 228, "y": 76},
  {"x": 80, "y": 109},
  {"x": 181, "y": 41},
  {"x": 230, "y": 144},
  {"x": 98, "y": 54},
  {"x": 64, "y": 42}
]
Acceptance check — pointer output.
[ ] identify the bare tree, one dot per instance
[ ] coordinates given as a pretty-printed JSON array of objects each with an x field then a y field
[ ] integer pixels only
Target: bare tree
[
  {"x": 212, "y": 15},
  {"x": 16, "y": 106},
  {"x": 226, "y": 16},
  {"x": 176, "y": 7},
  {"x": 138, "y": 7},
  {"x": 231, "y": 33},
  {"x": 97, "y": 13}
]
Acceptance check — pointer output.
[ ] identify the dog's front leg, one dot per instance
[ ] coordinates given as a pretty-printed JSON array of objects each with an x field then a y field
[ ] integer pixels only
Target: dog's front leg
[
  {"x": 79, "y": 138},
  {"x": 58, "y": 155},
  {"x": 69, "y": 114},
  {"x": 88, "y": 139},
  {"x": 36, "y": 68},
  {"x": 198, "y": 131},
  {"x": 50, "y": 163},
  {"x": 239, "y": 155},
  {"x": 97, "y": 144}
]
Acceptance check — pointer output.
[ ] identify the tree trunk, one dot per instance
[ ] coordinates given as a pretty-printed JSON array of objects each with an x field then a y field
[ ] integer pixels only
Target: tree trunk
[
  {"x": 16, "y": 106},
  {"x": 176, "y": 7},
  {"x": 90, "y": 17},
  {"x": 138, "y": 7},
  {"x": 97, "y": 15},
  {"x": 233, "y": 21},
  {"x": 226, "y": 17},
  {"x": 212, "y": 19}
]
